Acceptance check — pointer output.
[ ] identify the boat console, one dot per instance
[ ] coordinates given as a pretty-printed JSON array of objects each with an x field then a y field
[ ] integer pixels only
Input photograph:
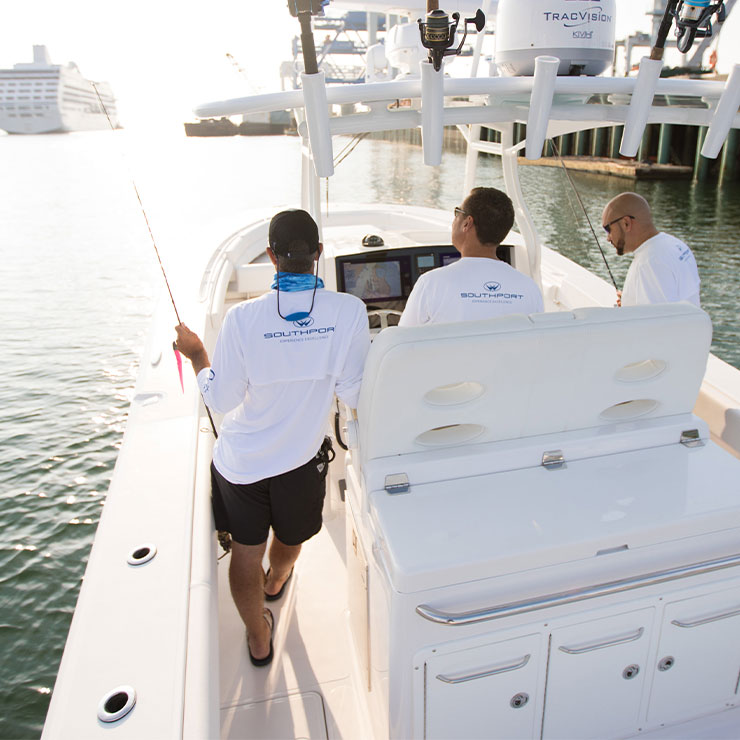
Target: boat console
[
  {"x": 384, "y": 278},
  {"x": 380, "y": 276},
  {"x": 555, "y": 557}
]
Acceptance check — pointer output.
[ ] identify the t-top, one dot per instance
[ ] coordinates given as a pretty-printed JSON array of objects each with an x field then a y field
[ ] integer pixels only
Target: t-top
[
  {"x": 275, "y": 379},
  {"x": 471, "y": 288},
  {"x": 663, "y": 271}
]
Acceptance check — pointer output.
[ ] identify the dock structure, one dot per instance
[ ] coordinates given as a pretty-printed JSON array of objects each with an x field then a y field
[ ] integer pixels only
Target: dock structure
[{"x": 666, "y": 151}]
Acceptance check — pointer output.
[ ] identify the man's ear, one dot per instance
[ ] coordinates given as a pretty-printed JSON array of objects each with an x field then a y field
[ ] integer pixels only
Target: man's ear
[
  {"x": 320, "y": 250},
  {"x": 271, "y": 255}
]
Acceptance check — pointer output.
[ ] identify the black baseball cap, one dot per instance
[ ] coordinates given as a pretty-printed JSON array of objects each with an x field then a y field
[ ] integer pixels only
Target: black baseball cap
[{"x": 293, "y": 233}]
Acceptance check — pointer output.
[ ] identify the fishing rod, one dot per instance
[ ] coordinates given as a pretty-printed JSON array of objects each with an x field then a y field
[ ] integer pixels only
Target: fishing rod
[
  {"x": 161, "y": 265},
  {"x": 303, "y": 10},
  {"x": 585, "y": 212}
]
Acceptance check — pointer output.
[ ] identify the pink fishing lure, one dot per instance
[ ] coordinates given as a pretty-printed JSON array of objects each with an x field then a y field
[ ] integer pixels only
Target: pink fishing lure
[{"x": 178, "y": 357}]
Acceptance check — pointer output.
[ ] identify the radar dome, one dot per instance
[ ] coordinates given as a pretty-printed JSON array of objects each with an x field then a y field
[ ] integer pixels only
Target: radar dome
[{"x": 578, "y": 32}]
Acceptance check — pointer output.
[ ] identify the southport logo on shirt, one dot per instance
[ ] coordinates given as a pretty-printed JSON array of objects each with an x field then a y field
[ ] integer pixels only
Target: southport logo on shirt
[
  {"x": 304, "y": 329},
  {"x": 492, "y": 293},
  {"x": 207, "y": 384}
]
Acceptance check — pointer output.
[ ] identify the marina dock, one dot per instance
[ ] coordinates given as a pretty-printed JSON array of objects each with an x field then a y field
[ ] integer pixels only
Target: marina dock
[{"x": 629, "y": 168}]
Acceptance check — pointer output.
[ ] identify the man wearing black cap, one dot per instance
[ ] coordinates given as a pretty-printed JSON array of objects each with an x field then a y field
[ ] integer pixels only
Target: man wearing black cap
[{"x": 279, "y": 360}]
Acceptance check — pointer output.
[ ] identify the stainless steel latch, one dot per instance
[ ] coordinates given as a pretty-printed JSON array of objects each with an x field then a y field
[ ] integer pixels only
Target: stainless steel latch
[
  {"x": 397, "y": 483},
  {"x": 553, "y": 459},
  {"x": 691, "y": 438}
]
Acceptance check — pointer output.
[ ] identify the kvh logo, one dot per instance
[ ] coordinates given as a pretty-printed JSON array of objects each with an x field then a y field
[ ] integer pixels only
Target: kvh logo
[
  {"x": 492, "y": 287},
  {"x": 304, "y": 323}
]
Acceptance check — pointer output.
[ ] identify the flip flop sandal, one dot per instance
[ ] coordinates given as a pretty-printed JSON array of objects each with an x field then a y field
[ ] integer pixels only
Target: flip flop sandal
[
  {"x": 267, "y": 615},
  {"x": 278, "y": 595}
]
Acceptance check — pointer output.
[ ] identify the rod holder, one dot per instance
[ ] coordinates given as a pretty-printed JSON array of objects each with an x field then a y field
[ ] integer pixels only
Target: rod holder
[
  {"x": 724, "y": 115},
  {"x": 640, "y": 104},
  {"x": 432, "y": 107},
  {"x": 317, "y": 120},
  {"x": 540, "y": 104}
]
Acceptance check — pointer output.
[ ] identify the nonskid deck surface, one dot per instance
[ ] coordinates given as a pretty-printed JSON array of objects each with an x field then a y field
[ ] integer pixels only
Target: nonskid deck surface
[{"x": 309, "y": 689}]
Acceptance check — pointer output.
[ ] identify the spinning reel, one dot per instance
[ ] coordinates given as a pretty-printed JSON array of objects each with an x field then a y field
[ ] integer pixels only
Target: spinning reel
[
  {"x": 693, "y": 20},
  {"x": 438, "y": 34},
  {"x": 312, "y": 7}
]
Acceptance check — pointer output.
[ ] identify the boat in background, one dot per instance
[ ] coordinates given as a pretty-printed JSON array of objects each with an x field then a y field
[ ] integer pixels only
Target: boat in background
[
  {"x": 42, "y": 98},
  {"x": 258, "y": 124},
  {"x": 533, "y": 531}
]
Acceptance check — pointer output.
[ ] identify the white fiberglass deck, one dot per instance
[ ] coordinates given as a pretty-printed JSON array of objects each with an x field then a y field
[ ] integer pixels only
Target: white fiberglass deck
[{"x": 309, "y": 689}]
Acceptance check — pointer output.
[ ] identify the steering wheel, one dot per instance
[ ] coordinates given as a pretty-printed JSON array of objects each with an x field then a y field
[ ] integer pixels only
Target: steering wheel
[{"x": 383, "y": 314}]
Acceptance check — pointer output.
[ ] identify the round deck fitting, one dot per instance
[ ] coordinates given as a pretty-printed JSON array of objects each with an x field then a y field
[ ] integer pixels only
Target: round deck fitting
[
  {"x": 116, "y": 704},
  {"x": 142, "y": 554}
]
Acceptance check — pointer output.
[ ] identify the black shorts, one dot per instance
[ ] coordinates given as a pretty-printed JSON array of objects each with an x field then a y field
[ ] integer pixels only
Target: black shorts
[{"x": 291, "y": 503}]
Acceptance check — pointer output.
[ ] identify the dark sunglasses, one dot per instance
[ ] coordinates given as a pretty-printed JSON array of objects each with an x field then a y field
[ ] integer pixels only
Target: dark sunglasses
[
  {"x": 459, "y": 211},
  {"x": 608, "y": 227}
]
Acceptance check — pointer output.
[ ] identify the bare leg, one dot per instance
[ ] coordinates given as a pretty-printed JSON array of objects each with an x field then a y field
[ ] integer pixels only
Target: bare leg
[
  {"x": 282, "y": 559},
  {"x": 247, "y": 579}
]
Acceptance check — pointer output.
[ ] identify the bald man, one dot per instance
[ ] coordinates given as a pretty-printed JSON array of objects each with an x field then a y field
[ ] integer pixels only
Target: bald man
[{"x": 663, "y": 269}]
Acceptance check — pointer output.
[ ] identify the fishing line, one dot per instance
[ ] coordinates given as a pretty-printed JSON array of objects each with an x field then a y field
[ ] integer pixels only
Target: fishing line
[
  {"x": 585, "y": 212},
  {"x": 156, "y": 251},
  {"x": 349, "y": 148}
]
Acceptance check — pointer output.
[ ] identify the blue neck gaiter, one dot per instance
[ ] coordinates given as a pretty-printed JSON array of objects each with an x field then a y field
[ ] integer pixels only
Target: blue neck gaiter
[{"x": 294, "y": 281}]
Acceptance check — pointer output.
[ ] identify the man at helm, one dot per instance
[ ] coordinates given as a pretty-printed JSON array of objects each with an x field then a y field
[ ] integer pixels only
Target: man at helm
[
  {"x": 478, "y": 285},
  {"x": 278, "y": 361},
  {"x": 663, "y": 269}
]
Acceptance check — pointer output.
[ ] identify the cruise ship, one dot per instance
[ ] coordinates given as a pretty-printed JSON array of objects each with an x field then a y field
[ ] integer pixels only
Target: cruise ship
[{"x": 40, "y": 97}]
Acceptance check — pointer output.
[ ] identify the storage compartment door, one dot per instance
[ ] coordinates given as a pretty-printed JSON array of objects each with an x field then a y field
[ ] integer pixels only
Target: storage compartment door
[
  {"x": 596, "y": 677},
  {"x": 698, "y": 663},
  {"x": 484, "y": 692}
]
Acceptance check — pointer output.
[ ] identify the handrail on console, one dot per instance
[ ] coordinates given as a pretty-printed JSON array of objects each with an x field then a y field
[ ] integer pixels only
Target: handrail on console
[{"x": 570, "y": 597}]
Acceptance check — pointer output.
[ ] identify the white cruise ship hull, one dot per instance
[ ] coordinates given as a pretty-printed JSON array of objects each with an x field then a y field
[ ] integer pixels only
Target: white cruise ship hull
[{"x": 44, "y": 98}]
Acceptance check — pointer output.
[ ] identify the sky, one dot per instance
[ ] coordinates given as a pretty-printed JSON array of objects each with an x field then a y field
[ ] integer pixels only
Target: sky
[{"x": 162, "y": 58}]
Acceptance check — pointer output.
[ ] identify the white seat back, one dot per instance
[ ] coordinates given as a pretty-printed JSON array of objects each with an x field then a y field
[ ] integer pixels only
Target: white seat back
[{"x": 445, "y": 385}]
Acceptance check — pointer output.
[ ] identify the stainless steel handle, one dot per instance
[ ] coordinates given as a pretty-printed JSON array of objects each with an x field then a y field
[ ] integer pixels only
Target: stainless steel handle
[
  {"x": 569, "y": 597},
  {"x": 705, "y": 620},
  {"x": 484, "y": 674},
  {"x": 599, "y": 645}
]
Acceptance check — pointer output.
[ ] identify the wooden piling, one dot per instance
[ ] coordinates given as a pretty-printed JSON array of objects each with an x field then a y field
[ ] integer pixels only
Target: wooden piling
[
  {"x": 598, "y": 142},
  {"x": 728, "y": 168},
  {"x": 664, "y": 144},
  {"x": 701, "y": 164},
  {"x": 615, "y": 141}
]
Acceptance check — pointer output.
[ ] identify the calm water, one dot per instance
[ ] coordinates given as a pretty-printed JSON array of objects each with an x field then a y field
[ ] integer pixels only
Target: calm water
[{"x": 77, "y": 288}]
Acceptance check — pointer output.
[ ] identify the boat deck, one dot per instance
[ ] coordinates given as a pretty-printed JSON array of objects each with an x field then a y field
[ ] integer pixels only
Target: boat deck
[{"x": 310, "y": 688}]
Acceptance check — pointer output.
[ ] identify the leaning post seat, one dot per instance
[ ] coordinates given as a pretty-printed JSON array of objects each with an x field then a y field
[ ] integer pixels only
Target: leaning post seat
[{"x": 434, "y": 394}]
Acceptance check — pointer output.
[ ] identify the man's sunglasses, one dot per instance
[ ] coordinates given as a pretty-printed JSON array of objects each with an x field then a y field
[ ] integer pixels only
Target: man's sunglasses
[{"x": 608, "y": 227}]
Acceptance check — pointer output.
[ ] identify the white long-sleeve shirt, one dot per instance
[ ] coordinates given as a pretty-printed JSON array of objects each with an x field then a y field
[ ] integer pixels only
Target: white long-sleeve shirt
[
  {"x": 469, "y": 289},
  {"x": 663, "y": 271},
  {"x": 275, "y": 379}
]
